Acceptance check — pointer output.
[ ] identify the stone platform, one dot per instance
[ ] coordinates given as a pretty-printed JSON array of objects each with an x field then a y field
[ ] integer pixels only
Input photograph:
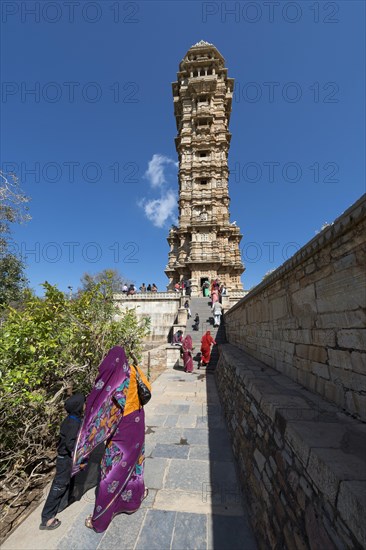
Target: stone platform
[{"x": 194, "y": 501}]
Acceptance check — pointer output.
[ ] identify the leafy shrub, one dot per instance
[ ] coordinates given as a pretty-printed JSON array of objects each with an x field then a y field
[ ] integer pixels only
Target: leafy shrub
[{"x": 49, "y": 348}]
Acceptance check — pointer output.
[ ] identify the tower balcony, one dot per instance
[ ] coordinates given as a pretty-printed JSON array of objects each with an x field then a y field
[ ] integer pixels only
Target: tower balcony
[
  {"x": 210, "y": 262},
  {"x": 203, "y": 109},
  {"x": 205, "y": 162},
  {"x": 203, "y": 130},
  {"x": 197, "y": 220}
]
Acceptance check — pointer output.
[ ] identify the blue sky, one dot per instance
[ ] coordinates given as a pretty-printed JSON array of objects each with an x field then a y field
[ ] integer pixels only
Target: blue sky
[{"x": 102, "y": 108}]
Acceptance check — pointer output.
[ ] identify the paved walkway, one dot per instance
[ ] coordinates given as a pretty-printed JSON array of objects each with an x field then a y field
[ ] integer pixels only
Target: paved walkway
[{"x": 194, "y": 501}]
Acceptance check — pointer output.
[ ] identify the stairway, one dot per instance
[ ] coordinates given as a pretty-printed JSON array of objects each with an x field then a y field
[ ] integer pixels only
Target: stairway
[{"x": 202, "y": 306}]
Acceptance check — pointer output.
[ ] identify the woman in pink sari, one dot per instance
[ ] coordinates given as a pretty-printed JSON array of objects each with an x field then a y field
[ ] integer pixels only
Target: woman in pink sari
[
  {"x": 214, "y": 296},
  {"x": 187, "y": 354},
  {"x": 114, "y": 415}
]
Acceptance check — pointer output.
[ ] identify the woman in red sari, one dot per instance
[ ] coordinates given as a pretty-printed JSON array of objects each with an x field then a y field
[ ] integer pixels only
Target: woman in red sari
[
  {"x": 187, "y": 354},
  {"x": 206, "y": 342}
]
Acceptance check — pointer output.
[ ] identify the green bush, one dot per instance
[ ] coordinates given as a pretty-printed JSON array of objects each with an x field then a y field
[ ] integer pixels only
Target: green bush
[{"x": 49, "y": 348}]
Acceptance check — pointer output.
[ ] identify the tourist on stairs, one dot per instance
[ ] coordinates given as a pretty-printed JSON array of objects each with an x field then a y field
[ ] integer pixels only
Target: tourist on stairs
[
  {"x": 215, "y": 291},
  {"x": 206, "y": 342},
  {"x": 196, "y": 323},
  {"x": 217, "y": 312},
  {"x": 186, "y": 305},
  {"x": 177, "y": 338},
  {"x": 206, "y": 289},
  {"x": 70, "y": 427},
  {"x": 187, "y": 349},
  {"x": 114, "y": 416},
  {"x": 188, "y": 288}
]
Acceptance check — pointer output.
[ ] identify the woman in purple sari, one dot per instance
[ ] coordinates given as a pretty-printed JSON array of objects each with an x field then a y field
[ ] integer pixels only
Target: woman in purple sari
[
  {"x": 187, "y": 354},
  {"x": 114, "y": 416}
]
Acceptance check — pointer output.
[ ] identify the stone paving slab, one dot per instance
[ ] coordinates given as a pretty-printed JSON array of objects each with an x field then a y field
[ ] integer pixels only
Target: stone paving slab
[
  {"x": 204, "y": 452},
  {"x": 123, "y": 531},
  {"x": 157, "y": 530},
  {"x": 190, "y": 531},
  {"x": 186, "y": 421},
  {"x": 198, "y": 409},
  {"x": 196, "y": 436},
  {"x": 172, "y": 436},
  {"x": 194, "y": 499},
  {"x": 171, "y": 421},
  {"x": 171, "y": 409},
  {"x": 79, "y": 537},
  {"x": 187, "y": 475},
  {"x": 170, "y": 451},
  {"x": 209, "y": 500},
  {"x": 155, "y": 472},
  {"x": 156, "y": 419},
  {"x": 232, "y": 533}
]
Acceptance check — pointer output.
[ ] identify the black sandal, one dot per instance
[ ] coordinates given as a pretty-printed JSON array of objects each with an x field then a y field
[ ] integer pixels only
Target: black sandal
[{"x": 55, "y": 523}]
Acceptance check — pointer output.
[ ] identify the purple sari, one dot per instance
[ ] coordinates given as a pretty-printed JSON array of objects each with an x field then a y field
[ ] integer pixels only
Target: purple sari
[{"x": 121, "y": 487}]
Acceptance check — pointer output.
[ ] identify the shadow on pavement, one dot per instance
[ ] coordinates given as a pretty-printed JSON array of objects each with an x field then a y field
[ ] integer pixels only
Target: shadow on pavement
[{"x": 230, "y": 528}]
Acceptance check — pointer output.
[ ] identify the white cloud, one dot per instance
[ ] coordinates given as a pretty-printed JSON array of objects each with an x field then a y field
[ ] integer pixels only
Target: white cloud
[
  {"x": 155, "y": 172},
  {"x": 162, "y": 209},
  {"x": 159, "y": 211}
]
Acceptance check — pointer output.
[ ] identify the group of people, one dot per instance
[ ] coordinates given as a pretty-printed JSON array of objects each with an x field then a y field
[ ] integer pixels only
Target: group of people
[
  {"x": 148, "y": 288},
  {"x": 186, "y": 346},
  {"x": 183, "y": 286},
  {"x": 216, "y": 311},
  {"x": 216, "y": 290},
  {"x": 114, "y": 421},
  {"x": 131, "y": 289}
]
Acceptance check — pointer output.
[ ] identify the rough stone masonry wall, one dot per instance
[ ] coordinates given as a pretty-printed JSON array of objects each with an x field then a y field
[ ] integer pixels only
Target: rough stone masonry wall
[
  {"x": 301, "y": 461},
  {"x": 155, "y": 361},
  {"x": 307, "y": 319}
]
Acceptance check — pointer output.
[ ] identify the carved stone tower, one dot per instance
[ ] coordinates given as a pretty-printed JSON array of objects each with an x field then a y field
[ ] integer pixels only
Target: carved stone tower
[{"x": 206, "y": 244}]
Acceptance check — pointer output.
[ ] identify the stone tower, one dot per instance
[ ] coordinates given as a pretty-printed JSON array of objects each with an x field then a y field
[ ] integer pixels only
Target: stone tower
[{"x": 205, "y": 245}]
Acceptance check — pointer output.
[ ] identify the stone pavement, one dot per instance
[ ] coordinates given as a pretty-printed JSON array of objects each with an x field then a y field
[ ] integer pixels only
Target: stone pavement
[{"x": 194, "y": 500}]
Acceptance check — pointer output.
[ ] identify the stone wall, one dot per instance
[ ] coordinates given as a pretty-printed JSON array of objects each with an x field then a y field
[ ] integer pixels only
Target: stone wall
[
  {"x": 161, "y": 307},
  {"x": 301, "y": 462},
  {"x": 307, "y": 319},
  {"x": 156, "y": 360}
]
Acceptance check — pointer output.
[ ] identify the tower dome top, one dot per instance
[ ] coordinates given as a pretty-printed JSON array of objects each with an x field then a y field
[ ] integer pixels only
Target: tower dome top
[
  {"x": 201, "y": 43},
  {"x": 199, "y": 52}
]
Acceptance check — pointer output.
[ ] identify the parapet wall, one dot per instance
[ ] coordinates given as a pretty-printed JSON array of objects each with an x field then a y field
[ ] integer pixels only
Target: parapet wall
[
  {"x": 301, "y": 462},
  {"x": 307, "y": 319},
  {"x": 161, "y": 307}
]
